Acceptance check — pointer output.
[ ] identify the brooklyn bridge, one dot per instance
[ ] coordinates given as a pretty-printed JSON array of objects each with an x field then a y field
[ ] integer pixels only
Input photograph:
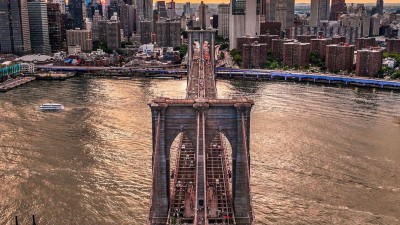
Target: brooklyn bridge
[{"x": 207, "y": 181}]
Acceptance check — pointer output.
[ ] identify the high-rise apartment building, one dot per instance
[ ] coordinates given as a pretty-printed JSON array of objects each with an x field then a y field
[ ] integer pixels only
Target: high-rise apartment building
[
  {"x": 339, "y": 57},
  {"x": 168, "y": 33},
  {"x": 244, "y": 20},
  {"x": 368, "y": 62},
  {"x": 75, "y": 8},
  {"x": 113, "y": 32},
  {"x": 319, "y": 46},
  {"x": 223, "y": 20},
  {"x": 319, "y": 11},
  {"x": 95, "y": 25},
  {"x": 296, "y": 54},
  {"x": 338, "y": 7},
  {"x": 254, "y": 55},
  {"x": 277, "y": 48},
  {"x": 14, "y": 27},
  {"x": 39, "y": 27},
  {"x": 80, "y": 37},
  {"x": 145, "y": 31},
  {"x": 55, "y": 24}
]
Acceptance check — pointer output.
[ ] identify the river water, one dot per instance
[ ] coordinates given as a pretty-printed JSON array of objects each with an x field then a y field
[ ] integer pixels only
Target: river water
[{"x": 320, "y": 154}]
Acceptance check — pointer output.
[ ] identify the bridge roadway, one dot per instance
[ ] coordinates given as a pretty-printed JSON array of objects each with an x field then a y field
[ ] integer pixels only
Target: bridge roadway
[{"x": 201, "y": 183}]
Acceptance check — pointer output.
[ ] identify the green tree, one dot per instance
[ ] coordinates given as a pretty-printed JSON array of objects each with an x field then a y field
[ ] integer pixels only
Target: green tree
[
  {"x": 315, "y": 59},
  {"x": 237, "y": 59},
  {"x": 101, "y": 45},
  {"x": 395, "y": 75},
  {"x": 125, "y": 43},
  {"x": 234, "y": 52},
  {"x": 393, "y": 55},
  {"x": 224, "y": 46},
  {"x": 183, "y": 50}
]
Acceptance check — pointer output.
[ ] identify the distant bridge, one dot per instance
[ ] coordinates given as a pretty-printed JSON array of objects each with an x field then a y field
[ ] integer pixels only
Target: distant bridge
[{"x": 235, "y": 73}]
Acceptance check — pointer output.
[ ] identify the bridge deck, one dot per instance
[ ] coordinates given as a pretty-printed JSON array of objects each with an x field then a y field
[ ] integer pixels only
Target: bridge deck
[{"x": 183, "y": 196}]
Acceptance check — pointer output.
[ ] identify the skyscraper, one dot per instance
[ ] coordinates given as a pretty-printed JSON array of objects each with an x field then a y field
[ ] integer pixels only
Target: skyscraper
[
  {"x": 162, "y": 9},
  {"x": 337, "y": 7},
  {"x": 244, "y": 20},
  {"x": 113, "y": 32},
  {"x": 223, "y": 20},
  {"x": 379, "y": 6},
  {"x": 319, "y": 11},
  {"x": 39, "y": 27},
  {"x": 203, "y": 16},
  {"x": 95, "y": 25},
  {"x": 186, "y": 9},
  {"x": 61, "y": 4},
  {"x": 14, "y": 27},
  {"x": 284, "y": 13},
  {"x": 171, "y": 9},
  {"x": 54, "y": 18},
  {"x": 144, "y": 12},
  {"x": 268, "y": 9},
  {"x": 75, "y": 8}
]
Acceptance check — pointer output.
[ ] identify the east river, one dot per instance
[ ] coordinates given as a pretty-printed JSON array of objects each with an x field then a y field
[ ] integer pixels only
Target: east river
[{"x": 320, "y": 154}]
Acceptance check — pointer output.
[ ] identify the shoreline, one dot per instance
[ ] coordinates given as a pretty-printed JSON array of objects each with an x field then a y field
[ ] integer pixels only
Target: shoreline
[
  {"x": 262, "y": 75},
  {"x": 241, "y": 74}
]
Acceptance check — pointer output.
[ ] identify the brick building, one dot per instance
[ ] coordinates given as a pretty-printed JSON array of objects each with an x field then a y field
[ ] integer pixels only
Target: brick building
[
  {"x": 296, "y": 54},
  {"x": 245, "y": 40},
  {"x": 319, "y": 46},
  {"x": 305, "y": 38},
  {"x": 254, "y": 55},
  {"x": 339, "y": 57},
  {"x": 364, "y": 67},
  {"x": 267, "y": 39},
  {"x": 365, "y": 43},
  {"x": 270, "y": 27},
  {"x": 277, "y": 48},
  {"x": 393, "y": 45},
  {"x": 338, "y": 39}
]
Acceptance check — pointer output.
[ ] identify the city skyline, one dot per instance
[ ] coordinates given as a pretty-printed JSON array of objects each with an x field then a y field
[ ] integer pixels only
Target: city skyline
[{"x": 297, "y": 1}]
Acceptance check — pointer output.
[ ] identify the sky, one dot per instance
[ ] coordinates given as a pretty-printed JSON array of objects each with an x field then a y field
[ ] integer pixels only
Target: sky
[{"x": 297, "y": 1}]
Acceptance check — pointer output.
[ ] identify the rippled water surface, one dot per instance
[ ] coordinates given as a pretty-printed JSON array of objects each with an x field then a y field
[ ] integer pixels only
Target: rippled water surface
[{"x": 320, "y": 155}]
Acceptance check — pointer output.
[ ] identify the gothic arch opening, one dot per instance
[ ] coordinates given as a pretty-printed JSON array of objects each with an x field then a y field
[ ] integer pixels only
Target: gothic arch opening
[
  {"x": 182, "y": 180},
  {"x": 219, "y": 180}
]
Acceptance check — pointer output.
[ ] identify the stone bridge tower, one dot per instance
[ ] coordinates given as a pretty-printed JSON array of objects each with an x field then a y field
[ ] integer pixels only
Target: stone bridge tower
[{"x": 200, "y": 118}]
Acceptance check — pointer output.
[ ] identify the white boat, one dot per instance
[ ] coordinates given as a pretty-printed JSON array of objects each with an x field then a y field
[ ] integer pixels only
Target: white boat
[{"x": 51, "y": 107}]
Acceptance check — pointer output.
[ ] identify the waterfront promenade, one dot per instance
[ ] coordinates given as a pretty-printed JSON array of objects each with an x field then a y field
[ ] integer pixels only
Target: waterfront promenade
[{"x": 13, "y": 83}]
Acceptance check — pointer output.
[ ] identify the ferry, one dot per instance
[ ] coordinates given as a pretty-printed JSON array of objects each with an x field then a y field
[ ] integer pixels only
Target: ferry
[{"x": 51, "y": 107}]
